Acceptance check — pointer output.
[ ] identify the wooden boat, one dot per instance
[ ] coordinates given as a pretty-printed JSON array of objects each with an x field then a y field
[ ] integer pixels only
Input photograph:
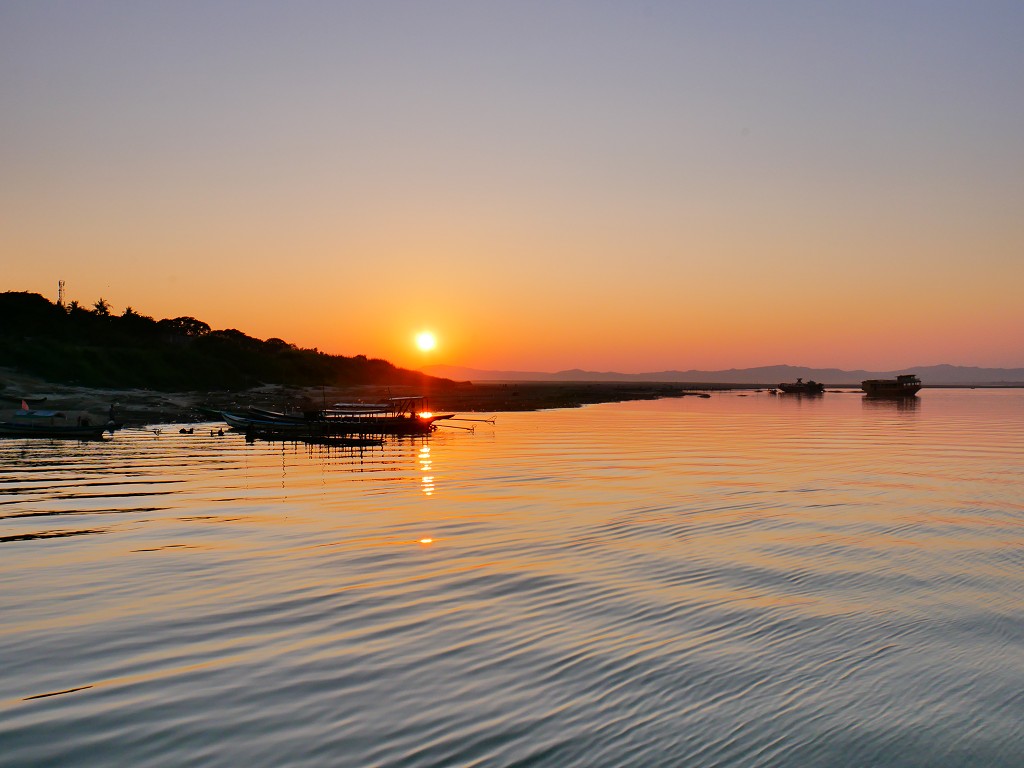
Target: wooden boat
[
  {"x": 904, "y": 385},
  {"x": 398, "y": 416},
  {"x": 249, "y": 422},
  {"x": 801, "y": 387},
  {"x": 32, "y": 423}
]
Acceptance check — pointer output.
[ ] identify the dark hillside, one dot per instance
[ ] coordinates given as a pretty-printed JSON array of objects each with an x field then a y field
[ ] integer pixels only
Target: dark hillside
[{"x": 93, "y": 347}]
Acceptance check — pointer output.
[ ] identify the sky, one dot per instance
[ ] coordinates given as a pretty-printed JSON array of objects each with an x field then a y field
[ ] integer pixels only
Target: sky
[{"x": 630, "y": 186}]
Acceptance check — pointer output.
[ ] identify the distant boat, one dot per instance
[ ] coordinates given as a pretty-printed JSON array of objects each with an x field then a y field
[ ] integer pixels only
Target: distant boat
[
  {"x": 801, "y": 387},
  {"x": 904, "y": 385},
  {"x": 32, "y": 423}
]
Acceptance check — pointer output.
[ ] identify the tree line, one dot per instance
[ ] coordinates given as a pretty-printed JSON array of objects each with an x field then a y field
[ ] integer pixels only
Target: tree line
[{"x": 94, "y": 347}]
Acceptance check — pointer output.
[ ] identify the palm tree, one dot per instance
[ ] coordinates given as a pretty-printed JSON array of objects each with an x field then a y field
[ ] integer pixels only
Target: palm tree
[{"x": 102, "y": 307}]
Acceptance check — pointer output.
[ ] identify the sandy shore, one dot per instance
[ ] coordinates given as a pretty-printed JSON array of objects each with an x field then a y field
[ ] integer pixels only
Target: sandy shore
[{"x": 142, "y": 406}]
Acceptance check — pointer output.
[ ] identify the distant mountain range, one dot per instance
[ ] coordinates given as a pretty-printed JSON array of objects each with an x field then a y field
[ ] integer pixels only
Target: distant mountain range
[{"x": 769, "y": 375}]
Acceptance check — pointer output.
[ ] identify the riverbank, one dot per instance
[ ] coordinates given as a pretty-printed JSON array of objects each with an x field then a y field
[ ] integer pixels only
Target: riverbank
[{"x": 143, "y": 406}]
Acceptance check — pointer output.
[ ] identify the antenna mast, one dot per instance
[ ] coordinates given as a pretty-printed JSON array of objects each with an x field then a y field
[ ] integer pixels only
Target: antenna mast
[{"x": 60, "y": 293}]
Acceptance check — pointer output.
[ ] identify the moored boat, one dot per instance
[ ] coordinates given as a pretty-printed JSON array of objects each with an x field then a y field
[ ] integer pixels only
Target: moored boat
[
  {"x": 904, "y": 385},
  {"x": 51, "y": 424},
  {"x": 247, "y": 421},
  {"x": 398, "y": 416},
  {"x": 59, "y": 431},
  {"x": 801, "y": 387}
]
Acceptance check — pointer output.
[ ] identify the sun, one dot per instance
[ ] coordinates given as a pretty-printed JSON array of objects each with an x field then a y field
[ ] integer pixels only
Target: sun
[{"x": 426, "y": 341}]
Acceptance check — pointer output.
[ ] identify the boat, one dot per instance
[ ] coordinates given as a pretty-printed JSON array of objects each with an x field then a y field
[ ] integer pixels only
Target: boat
[
  {"x": 249, "y": 422},
  {"x": 801, "y": 387},
  {"x": 33, "y": 423},
  {"x": 904, "y": 385},
  {"x": 397, "y": 416}
]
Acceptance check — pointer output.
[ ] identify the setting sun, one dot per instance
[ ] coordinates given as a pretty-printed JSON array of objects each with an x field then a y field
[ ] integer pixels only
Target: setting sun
[{"x": 426, "y": 341}]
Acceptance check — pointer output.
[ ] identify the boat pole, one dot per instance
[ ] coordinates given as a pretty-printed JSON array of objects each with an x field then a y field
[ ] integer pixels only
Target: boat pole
[{"x": 453, "y": 426}]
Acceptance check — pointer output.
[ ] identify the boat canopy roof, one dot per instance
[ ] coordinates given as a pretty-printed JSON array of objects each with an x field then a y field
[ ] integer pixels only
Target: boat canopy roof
[
  {"x": 33, "y": 414},
  {"x": 361, "y": 407},
  {"x": 392, "y": 404}
]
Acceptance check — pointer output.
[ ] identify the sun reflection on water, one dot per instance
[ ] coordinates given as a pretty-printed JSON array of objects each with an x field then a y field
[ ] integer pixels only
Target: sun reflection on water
[{"x": 427, "y": 481}]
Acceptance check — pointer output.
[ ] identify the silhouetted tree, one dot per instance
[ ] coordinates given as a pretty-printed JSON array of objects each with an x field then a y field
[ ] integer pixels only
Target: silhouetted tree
[
  {"x": 185, "y": 326},
  {"x": 102, "y": 307}
]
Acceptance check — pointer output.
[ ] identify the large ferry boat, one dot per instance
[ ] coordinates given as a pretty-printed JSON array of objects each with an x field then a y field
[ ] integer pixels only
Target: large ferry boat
[{"x": 905, "y": 385}]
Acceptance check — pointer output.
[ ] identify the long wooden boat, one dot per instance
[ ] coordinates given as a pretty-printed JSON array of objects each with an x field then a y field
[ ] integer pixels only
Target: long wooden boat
[
  {"x": 50, "y": 430},
  {"x": 247, "y": 422},
  {"x": 398, "y": 416},
  {"x": 51, "y": 424},
  {"x": 904, "y": 385}
]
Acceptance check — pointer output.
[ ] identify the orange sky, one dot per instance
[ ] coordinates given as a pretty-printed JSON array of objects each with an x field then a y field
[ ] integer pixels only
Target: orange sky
[{"x": 544, "y": 188}]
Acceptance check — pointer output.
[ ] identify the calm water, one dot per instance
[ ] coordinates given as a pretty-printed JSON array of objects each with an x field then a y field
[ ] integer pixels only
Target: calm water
[{"x": 741, "y": 581}]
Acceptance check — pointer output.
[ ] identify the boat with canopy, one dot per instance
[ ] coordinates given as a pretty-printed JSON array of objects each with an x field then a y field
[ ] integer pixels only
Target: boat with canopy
[
  {"x": 28, "y": 422},
  {"x": 396, "y": 416}
]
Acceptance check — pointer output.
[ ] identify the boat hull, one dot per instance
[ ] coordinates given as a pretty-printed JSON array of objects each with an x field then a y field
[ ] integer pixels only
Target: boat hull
[
  {"x": 49, "y": 431},
  {"x": 893, "y": 390},
  {"x": 802, "y": 388}
]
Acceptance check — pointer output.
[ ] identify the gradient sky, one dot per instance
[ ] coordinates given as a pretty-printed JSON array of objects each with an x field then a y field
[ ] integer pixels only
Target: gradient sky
[{"x": 606, "y": 185}]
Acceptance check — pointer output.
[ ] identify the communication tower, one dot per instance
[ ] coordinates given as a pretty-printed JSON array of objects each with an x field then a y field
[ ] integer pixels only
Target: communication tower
[{"x": 60, "y": 293}]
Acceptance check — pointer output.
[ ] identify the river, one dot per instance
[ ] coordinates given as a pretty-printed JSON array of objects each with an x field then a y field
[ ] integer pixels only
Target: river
[{"x": 747, "y": 580}]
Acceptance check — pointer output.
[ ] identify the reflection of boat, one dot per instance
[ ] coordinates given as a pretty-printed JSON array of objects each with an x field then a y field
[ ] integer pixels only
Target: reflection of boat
[
  {"x": 904, "y": 385},
  {"x": 333, "y": 441},
  {"x": 398, "y": 416},
  {"x": 897, "y": 404},
  {"x": 801, "y": 387},
  {"x": 31, "y": 423}
]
